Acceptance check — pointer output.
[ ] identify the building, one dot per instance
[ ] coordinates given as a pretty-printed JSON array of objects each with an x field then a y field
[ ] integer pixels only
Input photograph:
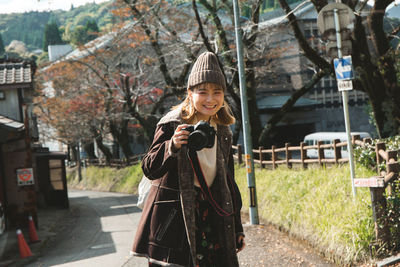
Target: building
[
  {"x": 321, "y": 108},
  {"x": 26, "y": 168},
  {"x": 58, "y": 51}
]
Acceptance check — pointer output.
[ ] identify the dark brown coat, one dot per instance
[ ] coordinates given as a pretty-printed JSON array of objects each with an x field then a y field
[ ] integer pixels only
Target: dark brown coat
[{"x": 166, "y": 231}]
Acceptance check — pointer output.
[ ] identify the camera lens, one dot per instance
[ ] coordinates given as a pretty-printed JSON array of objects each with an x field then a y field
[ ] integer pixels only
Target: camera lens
[{"x": 197, "y": 140}]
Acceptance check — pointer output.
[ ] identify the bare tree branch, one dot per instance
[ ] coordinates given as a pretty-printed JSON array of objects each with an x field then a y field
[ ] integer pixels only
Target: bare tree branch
[
  {"x": 154, "y": 43},
  {"x": 310, "y": 53},
  {"x": 201, "y": 29},
  {"x": 289, "y": 105},
  {"x": 394, "y": 33},
  {"x": 319, "y": 4}
]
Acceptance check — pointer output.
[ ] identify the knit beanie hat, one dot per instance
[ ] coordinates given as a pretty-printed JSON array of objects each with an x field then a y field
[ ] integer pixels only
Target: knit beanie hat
[{"x": 206, "y": 69}]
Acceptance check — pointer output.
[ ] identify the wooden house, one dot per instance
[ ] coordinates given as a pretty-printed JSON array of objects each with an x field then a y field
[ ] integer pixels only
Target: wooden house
[{"x": 23, "y": 185}]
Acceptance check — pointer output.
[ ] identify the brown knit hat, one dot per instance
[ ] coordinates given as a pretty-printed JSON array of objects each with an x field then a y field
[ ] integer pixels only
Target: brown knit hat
[{"x": 206, "y": 69}]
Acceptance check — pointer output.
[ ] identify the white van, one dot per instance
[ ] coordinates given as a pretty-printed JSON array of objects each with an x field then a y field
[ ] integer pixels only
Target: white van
[{"x": 327, "y": 138}]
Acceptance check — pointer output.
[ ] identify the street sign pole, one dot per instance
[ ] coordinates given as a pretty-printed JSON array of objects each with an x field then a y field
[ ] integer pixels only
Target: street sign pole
[
  {"x": 248, "y": 147},
  {"x": 345, "y": 98}
]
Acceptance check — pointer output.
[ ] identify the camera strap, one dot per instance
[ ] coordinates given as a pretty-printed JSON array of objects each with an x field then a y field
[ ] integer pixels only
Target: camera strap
[{"x": 194, "y": 160}]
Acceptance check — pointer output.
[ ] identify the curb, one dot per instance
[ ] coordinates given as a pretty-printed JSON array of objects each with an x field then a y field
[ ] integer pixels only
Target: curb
[{"x": 388, "y": 261}]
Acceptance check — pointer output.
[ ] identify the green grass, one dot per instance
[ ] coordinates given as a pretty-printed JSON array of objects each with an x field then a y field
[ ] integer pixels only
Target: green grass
[
  {"x": 125, "y": 180},
  {"x": 316, "y": 205}
]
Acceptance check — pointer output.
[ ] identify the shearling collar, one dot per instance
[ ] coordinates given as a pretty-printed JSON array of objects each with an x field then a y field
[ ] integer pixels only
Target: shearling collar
[{"x": 172, "y": 116}]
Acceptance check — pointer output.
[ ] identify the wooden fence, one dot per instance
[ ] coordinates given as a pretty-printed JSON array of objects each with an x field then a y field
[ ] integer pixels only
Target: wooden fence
[
  {"x": 378, "y": 195},
  {"x": 260, "y": 155},
  {"x": 114, "y": 163},
  {"x": 273, "y": 157}
]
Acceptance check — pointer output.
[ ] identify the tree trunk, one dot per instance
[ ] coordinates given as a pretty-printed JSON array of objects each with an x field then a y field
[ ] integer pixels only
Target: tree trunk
[
  {"x": 121, "y": 136},
  {"x": 236, "y": 131},
  {"x": 78, "y": 157},
  {"x": 89, "y": 149},
  {"x": 386, "y": 113},
  {"x": 378, "y": 81},
  {"x": 73, "y": 153},
  {"x": 105, "y": 150},
  {"x": 125, "y": 145},
  {"x": 150, "y": 127},
  {"x": 148, "y": 123}
]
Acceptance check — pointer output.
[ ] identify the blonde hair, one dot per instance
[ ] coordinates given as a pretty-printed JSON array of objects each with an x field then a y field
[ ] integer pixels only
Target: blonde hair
[{"x": 224, "y": 115}]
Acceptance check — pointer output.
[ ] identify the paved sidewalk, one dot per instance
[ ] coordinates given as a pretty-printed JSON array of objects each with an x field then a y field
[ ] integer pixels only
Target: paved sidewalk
[
  {"x": 51, "y": 221},
  {"x": 268, "y": 247},
  {"x": 265, "y": 245}
]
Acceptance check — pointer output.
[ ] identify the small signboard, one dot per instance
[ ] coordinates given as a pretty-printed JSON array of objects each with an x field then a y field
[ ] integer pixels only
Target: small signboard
[
  {"x": 345, "y": 85},
  {"x": 248, "y": 163},
  {"x": 369, "y": 182},
  {"x": 326, "y": 20},
  {"x": 344, "y": 68},
  {"x": 25, "y": 176}
]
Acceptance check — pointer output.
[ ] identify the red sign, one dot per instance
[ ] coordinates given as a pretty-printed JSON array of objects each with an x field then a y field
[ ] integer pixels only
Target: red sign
[
  {"x": 25, "y": 176},
  {"x": 369, "y": 182}
]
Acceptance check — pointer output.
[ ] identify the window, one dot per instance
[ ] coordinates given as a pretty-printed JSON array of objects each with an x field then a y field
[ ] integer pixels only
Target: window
[
  {"x": 56, "y": 175},
  {"x": 2, "y": 95},
  {"x": 309, "y": 142}
]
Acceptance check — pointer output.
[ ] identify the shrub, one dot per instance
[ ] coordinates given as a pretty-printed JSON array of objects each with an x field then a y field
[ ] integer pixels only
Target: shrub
[{"x": 366, "y": 156}]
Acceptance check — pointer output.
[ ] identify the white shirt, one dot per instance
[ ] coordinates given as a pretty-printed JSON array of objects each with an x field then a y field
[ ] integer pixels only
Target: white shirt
[{"x": 208, "y": 163}]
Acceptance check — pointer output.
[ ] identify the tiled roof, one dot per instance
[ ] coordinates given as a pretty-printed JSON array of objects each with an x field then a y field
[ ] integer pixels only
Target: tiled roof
[
  {"x": 278, "y": 16},
  {"x": 11, "y": 124},
  {"x": 15, "y": 73}
]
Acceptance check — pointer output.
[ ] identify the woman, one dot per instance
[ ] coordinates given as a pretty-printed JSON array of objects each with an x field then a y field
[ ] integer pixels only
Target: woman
[{"x": 184, "y": 223}]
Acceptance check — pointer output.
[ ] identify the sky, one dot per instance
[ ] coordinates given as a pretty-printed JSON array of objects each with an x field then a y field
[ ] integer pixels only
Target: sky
[{"x": 20, "y": 6}]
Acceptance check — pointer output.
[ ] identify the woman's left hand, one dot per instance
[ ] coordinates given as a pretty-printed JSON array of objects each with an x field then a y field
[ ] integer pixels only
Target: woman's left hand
[{"x": 240, "y": 240}]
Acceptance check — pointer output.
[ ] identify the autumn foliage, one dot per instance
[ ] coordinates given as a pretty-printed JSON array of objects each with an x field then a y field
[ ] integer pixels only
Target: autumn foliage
[{"x": 116, "y": 87}]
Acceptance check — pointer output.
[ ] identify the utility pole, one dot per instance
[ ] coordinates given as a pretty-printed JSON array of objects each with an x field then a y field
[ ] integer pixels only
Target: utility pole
[
  {"x": 336, "y": 22},
  {"x": 345, "y": 97},
  {"x": 248, "y": 147}
]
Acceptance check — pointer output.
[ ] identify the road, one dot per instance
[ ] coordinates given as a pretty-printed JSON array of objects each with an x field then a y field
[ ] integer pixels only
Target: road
[
  {"x": 100, "y": 232},
  {"x": 100, "y": 227}
]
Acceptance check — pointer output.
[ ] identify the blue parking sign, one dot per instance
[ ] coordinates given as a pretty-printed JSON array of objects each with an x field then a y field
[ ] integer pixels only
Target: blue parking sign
[{"x": 344, "y": 68}]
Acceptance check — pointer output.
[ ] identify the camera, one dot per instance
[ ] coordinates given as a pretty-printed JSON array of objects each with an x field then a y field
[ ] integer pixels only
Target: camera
[{"x": 202, "y": 135}]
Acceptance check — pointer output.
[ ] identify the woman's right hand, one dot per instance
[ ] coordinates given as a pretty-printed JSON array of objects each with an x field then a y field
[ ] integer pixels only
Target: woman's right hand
[{"x": 180, "y": 136}]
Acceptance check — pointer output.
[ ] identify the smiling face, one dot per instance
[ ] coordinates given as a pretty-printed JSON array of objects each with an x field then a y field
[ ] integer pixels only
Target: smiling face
[{"x": 207, "y": 99}]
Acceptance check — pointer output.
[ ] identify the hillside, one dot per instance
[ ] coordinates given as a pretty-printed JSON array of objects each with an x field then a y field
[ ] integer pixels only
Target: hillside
[{"x": 29, "y": 26}]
